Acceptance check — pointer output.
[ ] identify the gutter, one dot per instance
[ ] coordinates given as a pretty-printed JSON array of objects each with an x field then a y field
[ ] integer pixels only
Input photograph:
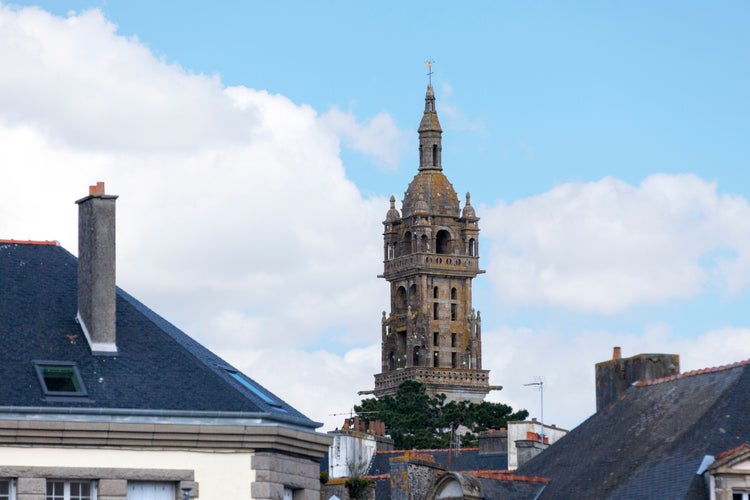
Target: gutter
[{"x": 135, "y": 415}]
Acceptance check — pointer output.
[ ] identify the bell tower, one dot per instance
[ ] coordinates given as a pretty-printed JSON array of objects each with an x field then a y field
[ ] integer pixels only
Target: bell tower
[{"x": 431, "y": 250}]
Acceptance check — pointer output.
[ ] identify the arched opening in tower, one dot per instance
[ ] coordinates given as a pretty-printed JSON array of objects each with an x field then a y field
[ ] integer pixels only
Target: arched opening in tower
[
  {"x": 424, "y": 245},
  {"x": 401, "y": 300},
  {"x": 406, "y": 246},
  {"x": 413, "y": 298},
  {"x": 443, "y": 242}
]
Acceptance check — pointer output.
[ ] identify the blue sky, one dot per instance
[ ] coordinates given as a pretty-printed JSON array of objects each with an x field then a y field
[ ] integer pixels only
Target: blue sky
[{"x": 605, "y": 145}]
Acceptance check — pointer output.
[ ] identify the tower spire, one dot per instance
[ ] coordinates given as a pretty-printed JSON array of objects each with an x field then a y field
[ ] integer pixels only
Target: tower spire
[{"x": 430, "y": 133}]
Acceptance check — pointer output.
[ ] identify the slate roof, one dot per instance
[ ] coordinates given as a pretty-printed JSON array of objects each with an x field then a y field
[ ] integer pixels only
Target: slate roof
[
  {"x": 158, "y": 370},
  {"x": 467, "y": 459},
  {"x": 653, "y": 440},
  {"x": 509, "y": 486}
]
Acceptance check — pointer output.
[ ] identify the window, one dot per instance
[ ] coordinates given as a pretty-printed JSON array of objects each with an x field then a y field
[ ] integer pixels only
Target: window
[
  {"x": 253, "y": 388},
  {"x": 151, "y": 490},
  {"x": 435, "y": 293},
  {"x": 436, "y": 358},
  {"x": 71, "y": 490},
  {"x": 435, "y": 338},
  {"x": 435, "y": 310},
  {"x": 59, "y": 378},
  {"x": 454, "y": 293},
  {"x": 453, "y": 312},
  {"x": 7, "y": 489},
  {"x": 453, "y": 340},
  {"x": 453, "y": 360},
  {"x": 740, "y": 495}
]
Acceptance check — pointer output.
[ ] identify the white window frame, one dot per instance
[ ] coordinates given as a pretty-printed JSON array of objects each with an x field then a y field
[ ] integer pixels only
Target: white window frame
[
  {"x": 66, "y": 488},
  {"x": 11, "y": 488}
]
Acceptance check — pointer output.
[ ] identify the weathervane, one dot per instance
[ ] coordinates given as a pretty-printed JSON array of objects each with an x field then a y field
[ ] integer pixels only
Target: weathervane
[{"x": 429, "y": 63}]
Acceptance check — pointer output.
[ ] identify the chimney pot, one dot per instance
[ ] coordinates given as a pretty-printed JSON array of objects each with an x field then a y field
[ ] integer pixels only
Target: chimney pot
[
  {"x": 616, "y": 353},
  {"x": 97, "y": 189}
]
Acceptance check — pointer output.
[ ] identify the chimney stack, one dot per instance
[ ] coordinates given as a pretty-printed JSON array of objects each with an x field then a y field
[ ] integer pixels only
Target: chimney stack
[
  {"x": 615, "y": 376},
  {"x": 96, "y": 269}
]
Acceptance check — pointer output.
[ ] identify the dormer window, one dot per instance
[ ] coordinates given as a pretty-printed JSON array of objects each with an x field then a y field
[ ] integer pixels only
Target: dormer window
[{"x": 59, "y": 378}]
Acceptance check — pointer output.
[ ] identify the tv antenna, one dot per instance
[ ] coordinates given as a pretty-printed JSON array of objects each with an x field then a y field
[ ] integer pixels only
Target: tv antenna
[{"x": 539, "y": 384}]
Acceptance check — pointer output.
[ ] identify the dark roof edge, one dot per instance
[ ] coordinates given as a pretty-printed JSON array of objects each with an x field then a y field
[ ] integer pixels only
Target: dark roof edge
[
  {"x": 156, "y": 416},
  {"x": 692, "y": 373}
]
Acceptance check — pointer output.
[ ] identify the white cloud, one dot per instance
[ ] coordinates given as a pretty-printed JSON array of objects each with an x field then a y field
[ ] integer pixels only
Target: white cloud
[
  {"x": 235, "y": 219},
  {"x": 607, "y": 246},
  {"x": 378, "y": 138}
]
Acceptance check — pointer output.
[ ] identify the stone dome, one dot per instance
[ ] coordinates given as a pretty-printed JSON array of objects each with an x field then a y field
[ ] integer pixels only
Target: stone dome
[{"x": 433, "y": 188}]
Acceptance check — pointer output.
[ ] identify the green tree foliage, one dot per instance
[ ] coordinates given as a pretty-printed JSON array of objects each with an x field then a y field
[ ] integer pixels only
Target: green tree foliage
[{"x": 417, "y": 421}]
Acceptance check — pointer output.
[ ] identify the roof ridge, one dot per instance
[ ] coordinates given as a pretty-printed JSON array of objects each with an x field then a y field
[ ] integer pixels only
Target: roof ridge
[
  {"x": 691, "y": 373},
  {"x": 384, "y": 452},
  {"x": 30, "y": 242},
  {"x": 506, "y": 475},
  {"x": 732, "y": 451}
]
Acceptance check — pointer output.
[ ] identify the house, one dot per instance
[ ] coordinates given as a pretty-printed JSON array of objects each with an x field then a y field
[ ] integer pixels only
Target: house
[
  {"x": 681, "y": 435},
  {"x": 103, "y": 399}
]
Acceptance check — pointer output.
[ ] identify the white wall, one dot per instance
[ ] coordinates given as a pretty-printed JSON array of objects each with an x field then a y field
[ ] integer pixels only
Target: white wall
[
  {"x": 518, "y": 430},
  {"x": 347, "y": 450},
  {"x": 220, "y": 475}
]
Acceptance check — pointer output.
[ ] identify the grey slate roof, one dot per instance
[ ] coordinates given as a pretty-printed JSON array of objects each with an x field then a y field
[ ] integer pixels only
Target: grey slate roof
[
  {"x": 468, "y": 459},
  {"x": 159, "y": 370},
  {"x": 651, "y": 443}
]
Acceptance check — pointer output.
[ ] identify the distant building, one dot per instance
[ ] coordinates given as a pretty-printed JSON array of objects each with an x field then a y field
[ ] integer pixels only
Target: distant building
[
  {"x": 103, "y": 399},
  {"x": 432, "y": 334},
  {"x": 471, "y": 473}
]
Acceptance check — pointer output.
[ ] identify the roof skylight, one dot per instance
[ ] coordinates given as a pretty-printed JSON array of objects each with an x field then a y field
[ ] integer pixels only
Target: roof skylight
[
  {"x": 252, "y": 387},
  {"x": 59, "y": 378}
]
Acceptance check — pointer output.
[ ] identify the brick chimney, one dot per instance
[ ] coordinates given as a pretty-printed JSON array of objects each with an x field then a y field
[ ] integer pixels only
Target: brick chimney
[
  {"x": 615, "y": 376},
  {"x": 96, "y": 269}
]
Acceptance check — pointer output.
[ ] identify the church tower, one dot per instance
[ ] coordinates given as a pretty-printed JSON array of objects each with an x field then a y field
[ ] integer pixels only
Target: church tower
[{"x": 431, "y": 250}]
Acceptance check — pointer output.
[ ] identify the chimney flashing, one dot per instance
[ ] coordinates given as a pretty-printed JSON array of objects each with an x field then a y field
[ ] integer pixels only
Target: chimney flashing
[{"x": 97, "y": 348}]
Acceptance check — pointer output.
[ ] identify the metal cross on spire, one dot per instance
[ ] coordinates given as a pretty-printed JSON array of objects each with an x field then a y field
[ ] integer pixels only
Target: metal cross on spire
[{"x": 429, "y": 63}]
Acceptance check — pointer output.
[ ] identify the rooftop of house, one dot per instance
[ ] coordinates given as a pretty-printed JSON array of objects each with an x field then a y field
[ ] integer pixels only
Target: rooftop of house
[
  {"x": 466, "y": 459},
  {"x": 654, "y": 440},
  {"x": 158, "y": 371}
]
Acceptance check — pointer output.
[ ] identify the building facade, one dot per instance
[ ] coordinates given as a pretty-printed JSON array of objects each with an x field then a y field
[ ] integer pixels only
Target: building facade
[{"x": 431, "y": 255}]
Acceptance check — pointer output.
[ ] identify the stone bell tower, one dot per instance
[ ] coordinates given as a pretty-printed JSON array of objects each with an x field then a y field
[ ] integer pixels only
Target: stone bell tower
[{"x": 431, "y": 249}]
